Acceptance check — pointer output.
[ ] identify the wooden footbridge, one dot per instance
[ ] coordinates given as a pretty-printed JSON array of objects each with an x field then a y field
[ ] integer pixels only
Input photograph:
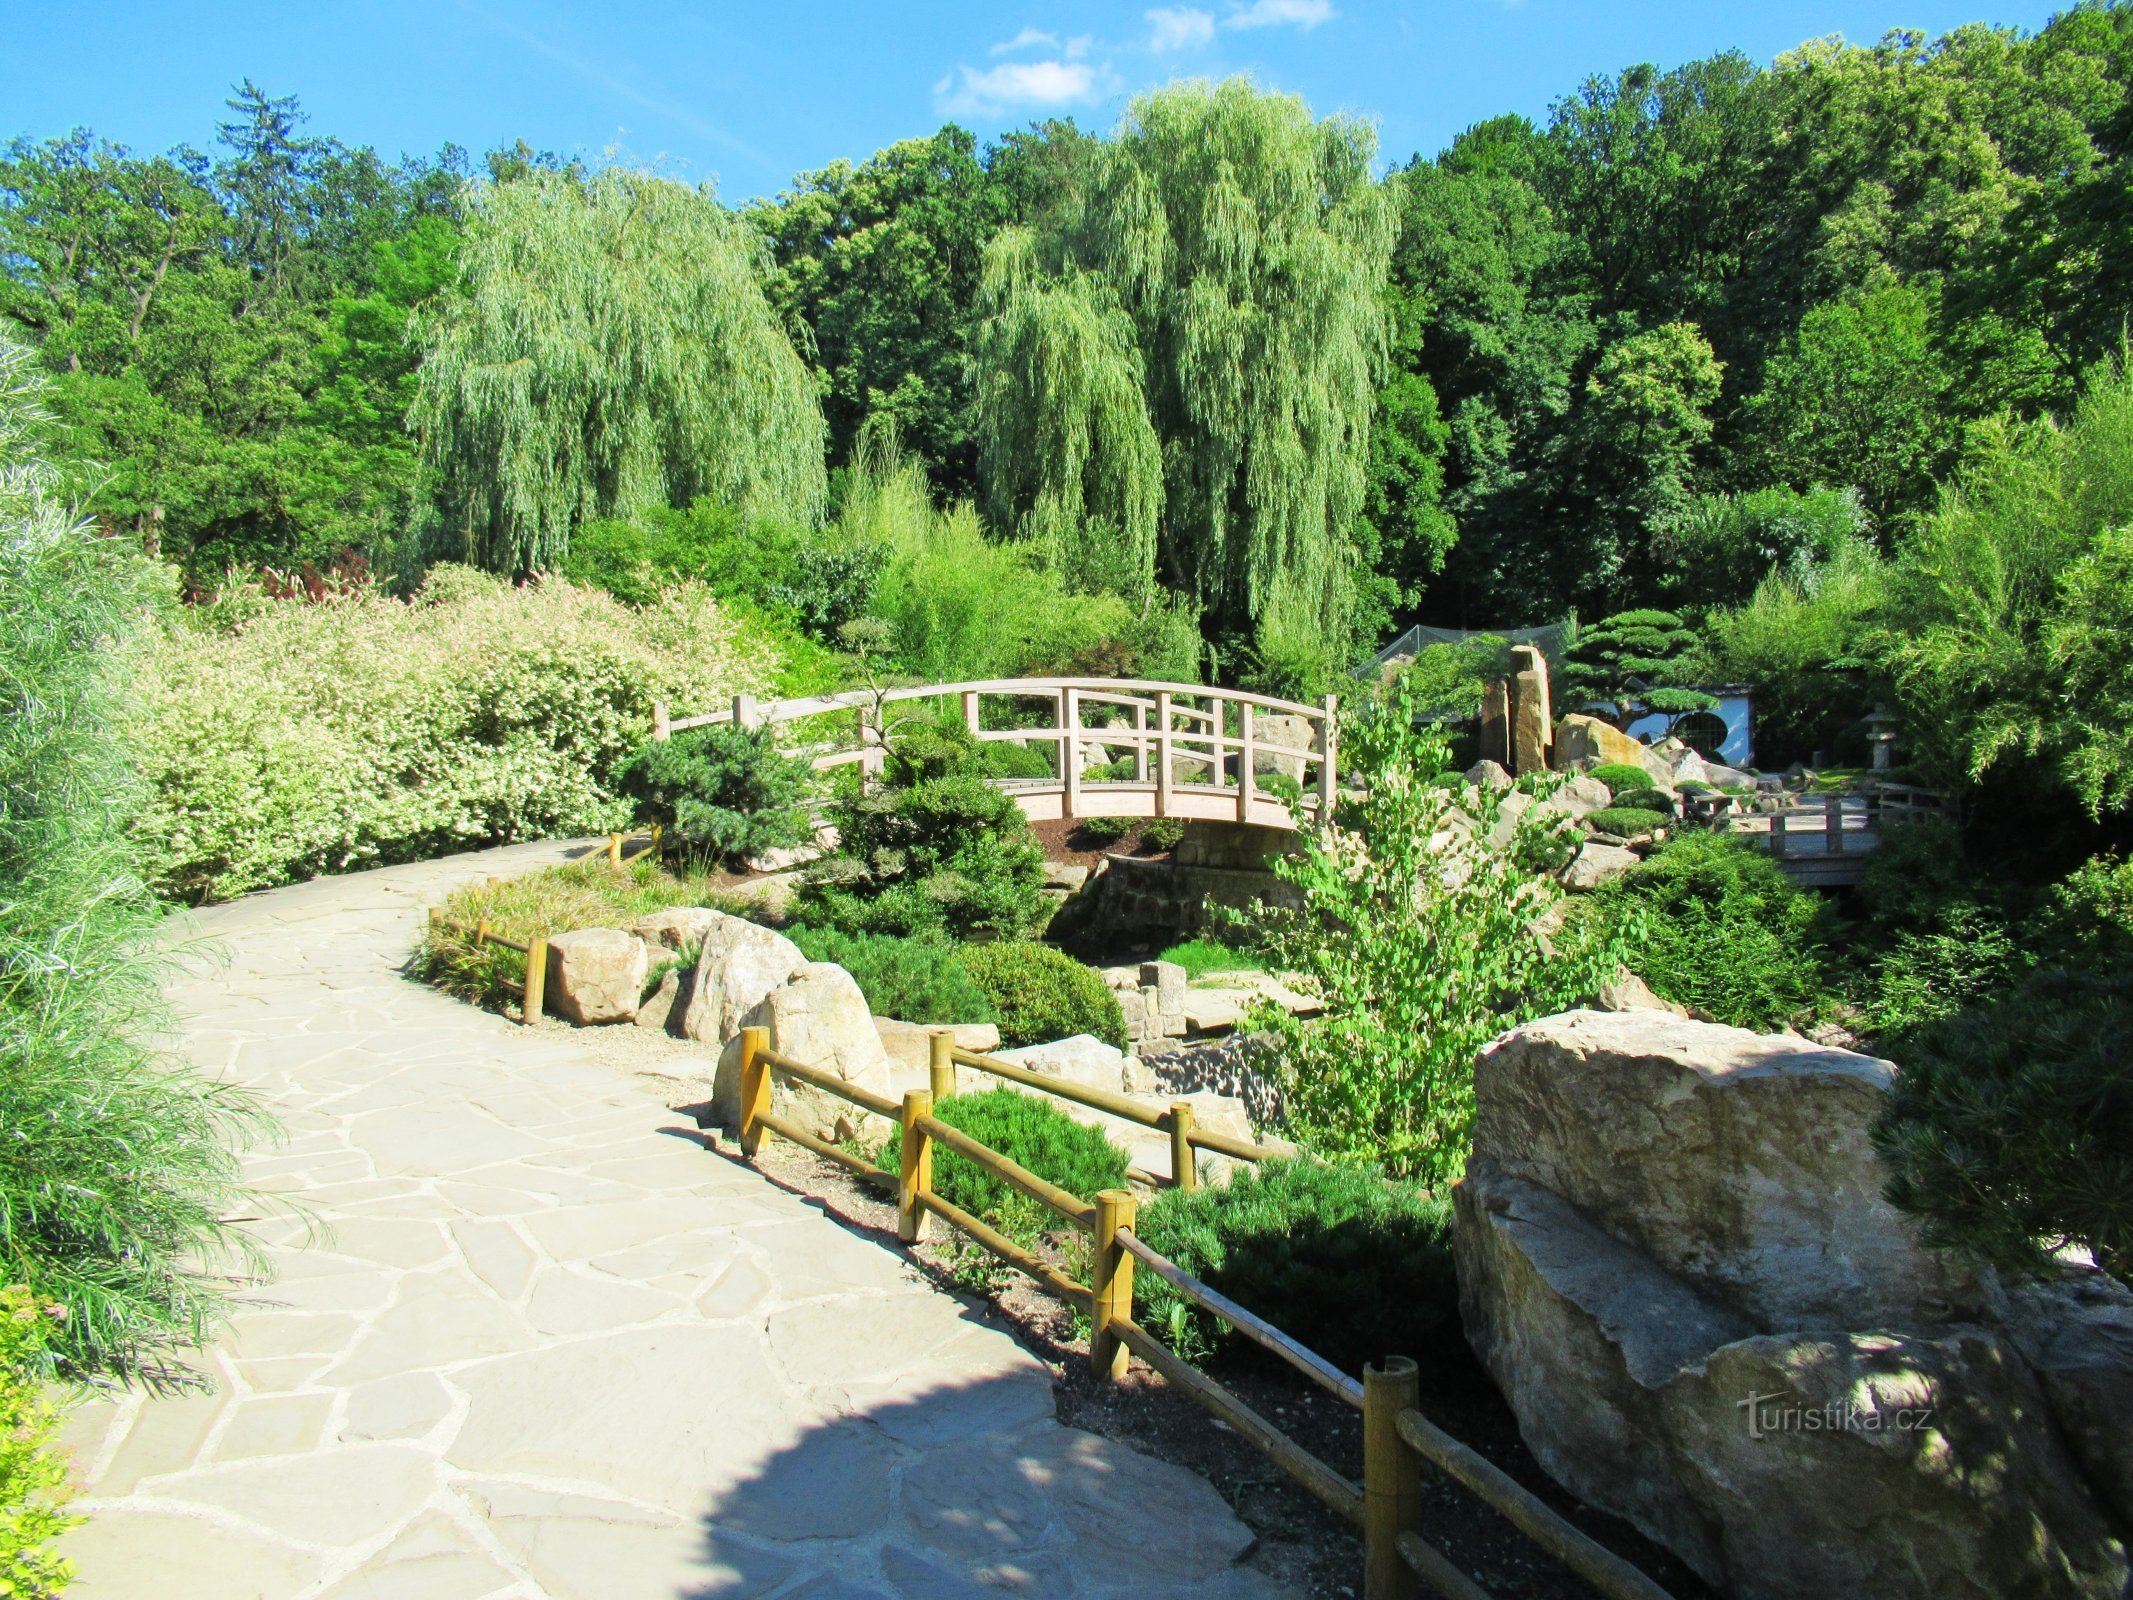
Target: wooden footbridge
[{"x": 1114, "y": 747}]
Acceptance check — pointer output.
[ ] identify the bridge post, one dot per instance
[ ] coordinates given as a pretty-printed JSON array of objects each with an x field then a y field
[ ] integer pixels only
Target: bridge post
[
  {"x": 970, "y": 711},
  {"x": 1328, "y": 782},
  {"x": 1162, "y": 752},
  {"x": 744, "y": 711},
  {"x": 662, "y": 723},
  {"x": 1070, "y": 749},
  {"x": 1245, "y": 755},
  {"x": 1140, "y": 743}
]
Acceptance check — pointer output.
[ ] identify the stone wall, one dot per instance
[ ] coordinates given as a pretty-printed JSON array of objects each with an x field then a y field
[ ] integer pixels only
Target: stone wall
[
  {"x": 1130, "y": 900},
  {"x": 1152, "y": 997}
]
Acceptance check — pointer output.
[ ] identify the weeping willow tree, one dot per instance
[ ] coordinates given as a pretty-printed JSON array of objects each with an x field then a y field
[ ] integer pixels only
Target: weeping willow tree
[
  {"x": 1184, "y": 364},
  {"x": 610, "y": 352}
]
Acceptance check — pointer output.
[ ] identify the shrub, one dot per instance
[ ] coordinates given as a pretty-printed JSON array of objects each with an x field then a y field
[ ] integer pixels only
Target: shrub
[
  {"x": 1725, "y": 932},
  {"x": 1354, "y": 1265},
  {"x": 116, "y": 1172},
  {"x": 1424, "y": 941},
  {"x": 1645, "y": 800},
  {"x": 1199, "y": 957},
  {"x": 722, "y": 791},
  {"x": 1164, "y": 833},
  {"x": 33, "y": 1471},
  {"x": 948, "y": 855},
  {"x": 919, "y": 979},
  {"x": 2010, "y": 1129},
  {"x": 1105, "y": 830},
  {"x": 1042, "y": 994},
  {"x": 282, "y": 739},
  {"x": 1626, "y": 822},
  {"x": 1620, "y": 777},
  {"x": 1925, "y": 975},
  {"x": 583, "y": 894},
  {"x": 2085, "y": 921},
  {"x": 1030, "y": 1131}
]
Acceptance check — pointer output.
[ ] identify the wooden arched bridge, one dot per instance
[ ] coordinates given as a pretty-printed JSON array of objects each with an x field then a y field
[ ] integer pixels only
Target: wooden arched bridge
[{"x": 1114, "y": 747}]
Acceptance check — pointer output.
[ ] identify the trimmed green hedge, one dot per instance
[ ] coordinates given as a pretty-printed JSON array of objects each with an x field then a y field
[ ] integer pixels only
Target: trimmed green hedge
[
  {"x": 1627, "y": 821},
  {"x": 1620, "y": 776},
  {"x": 1040, "y": 994},
  {"x": 1030, "y": 1131}
]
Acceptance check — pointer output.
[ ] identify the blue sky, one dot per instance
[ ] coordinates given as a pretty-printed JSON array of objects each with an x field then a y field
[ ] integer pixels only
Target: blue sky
[{"x": 748, "y": 94}]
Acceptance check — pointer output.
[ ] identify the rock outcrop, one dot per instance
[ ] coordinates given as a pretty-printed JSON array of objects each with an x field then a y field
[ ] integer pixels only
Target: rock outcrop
[
  {"x": 1675, "y": 1260},
  {"x": 738, "y": 963},
  {"x": 596, "y": 975}
]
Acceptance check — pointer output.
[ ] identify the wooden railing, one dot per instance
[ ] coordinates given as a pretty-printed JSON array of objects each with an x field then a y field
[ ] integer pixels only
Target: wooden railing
[
  {"x": 1387, "y": 1505},
  {"x": 1215, "y": 737}
]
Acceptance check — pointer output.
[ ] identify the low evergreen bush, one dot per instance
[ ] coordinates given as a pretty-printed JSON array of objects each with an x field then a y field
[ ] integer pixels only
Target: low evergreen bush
[
  {"x": 1626, "y": 822},
  {"x": 1104, "y": 830},
  {"x": 919, "y": 979},
  {"x": 1164, "y": 833},
  {"x": 1725, "y": 932},
  {"x": 721, "y": 792},
  {"x": 1030, "y": 1131},
  {"x": 1040, "y": 994},
  {"x": 1354, "y": 1265},
  {"x": 1657, "y": 800},
  {"x": 949, "y": 855},
  {"x": 1620, "y": 777},
  {"x": 2010, "y": 1129}
]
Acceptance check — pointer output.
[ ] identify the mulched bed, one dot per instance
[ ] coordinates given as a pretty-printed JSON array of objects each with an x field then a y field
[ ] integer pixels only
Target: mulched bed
[
  {"x": 1069, "y": 842},
  {"x": 1301, "y": 1543}
]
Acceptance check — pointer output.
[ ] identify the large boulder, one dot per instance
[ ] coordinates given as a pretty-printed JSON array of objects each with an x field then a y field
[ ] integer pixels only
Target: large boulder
[
  {"x": 910, "y": 1045},
  {"x": 1532, "y": 723},
  {"x": 678, "y": 929},
  {"x": 737, "y": 964},
  {"x": 2077, "y": 1334},
  {"x": 1780, "y": 1466},
  {"x": 1595, "y": 863},
  {"x": 1275, "y": 736},
  {"x": 819, "y": 1019},
  {"x": 1581, "y": 740},
  {"x": 1675, "y": 1261},
  {"x": 596, "y": 975},
  {"x": 1739, "y": 1163},
  {"x": 1084, "y": 1059}
]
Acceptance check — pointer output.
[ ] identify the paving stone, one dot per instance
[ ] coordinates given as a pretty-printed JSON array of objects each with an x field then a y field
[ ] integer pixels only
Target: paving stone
[
  {"x": 433, "y": 1559},
  {"x": 579, "y": 1547},
  {"x": 582, "y": 1232},
  {"x": 403, "y": 1407},
  {"x": 566, "y": 1302},
  {"x": 386, "y": 1241},
  {"x": 664, "y": 1415},
  {"x": 278, "y": 1374},
  {"x": 331, "y": 1499},
  {"x": 166, "y": 1435},
  {"x": 440, "y": 1318},
  {"x": 497, "y": 1255},
  {"x": 278, "y": 1425},
  {"x": 740, "y": 1291},
  {"x": 288, "y": 1333},
  {"x": 814, "y": 1342},
  {"x": 125, "y": 1553}
]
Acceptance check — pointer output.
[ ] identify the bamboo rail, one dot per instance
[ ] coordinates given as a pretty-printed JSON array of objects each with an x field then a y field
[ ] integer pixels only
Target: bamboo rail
[
  {"x": 532, "y": 984},
  {"x": 1386, "y": 1505},
  {"x": 1590, "y": 1560}
]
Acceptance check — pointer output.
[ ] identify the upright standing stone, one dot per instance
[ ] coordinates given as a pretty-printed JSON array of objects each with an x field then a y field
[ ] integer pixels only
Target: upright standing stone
[
  {"x": 1496, "y": 722},
  {"x": 1532, "y": 725}
]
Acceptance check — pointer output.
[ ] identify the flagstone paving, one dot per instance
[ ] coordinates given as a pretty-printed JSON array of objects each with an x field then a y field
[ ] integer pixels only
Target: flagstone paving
[{"x": 526, "y": 1337}]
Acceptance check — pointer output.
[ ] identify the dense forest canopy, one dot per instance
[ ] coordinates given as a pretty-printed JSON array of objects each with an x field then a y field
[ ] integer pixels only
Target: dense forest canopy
[{"x": 1699, "y": 325}]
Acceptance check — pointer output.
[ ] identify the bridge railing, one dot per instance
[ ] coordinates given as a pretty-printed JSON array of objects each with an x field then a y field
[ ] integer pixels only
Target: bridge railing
[{"x": 1194, "y": 751}]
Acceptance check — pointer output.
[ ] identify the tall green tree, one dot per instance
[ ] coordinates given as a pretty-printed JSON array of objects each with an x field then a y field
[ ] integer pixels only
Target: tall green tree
[
  {"x": 609, "y": 351},
  {"x": 1204, "y": 332}
]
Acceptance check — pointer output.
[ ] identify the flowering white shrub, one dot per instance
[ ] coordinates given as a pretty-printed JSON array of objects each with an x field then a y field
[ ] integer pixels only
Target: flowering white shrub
[{"x": 282, "y": 739}]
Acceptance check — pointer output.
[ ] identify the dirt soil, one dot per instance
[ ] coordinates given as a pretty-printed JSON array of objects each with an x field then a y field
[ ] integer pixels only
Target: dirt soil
[
  {"x": 1301, "y": 1543},
  {"x": 1070, "y": 842}
]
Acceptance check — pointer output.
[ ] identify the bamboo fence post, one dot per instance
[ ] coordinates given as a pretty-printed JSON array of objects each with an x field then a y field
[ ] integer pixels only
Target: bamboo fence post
[
  {"x": 1392, "y": 1480},
  {"x": 1110, "y": 1284},
  {"x": 1246, "y": 755},
  {"x": 481, "y": 933},
  {"x": 1184, "y": 1172},
  {"x": 614, "y": 849},
  {"x": 914, "y": 1167},
  {"x": 755, "y": 1088},
  {"x": 536, "y": 986},
  {"x": 1162, "y": 752},
  {"x": 1070, "y": 749},
  {"x": 659, "y": 843},
  {"x": 940, "y": 1065},
  {"x": 1327, "y": 781}
]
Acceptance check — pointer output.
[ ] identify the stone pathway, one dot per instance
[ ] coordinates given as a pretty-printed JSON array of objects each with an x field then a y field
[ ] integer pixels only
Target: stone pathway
[{"x": 529, "y": 1339}]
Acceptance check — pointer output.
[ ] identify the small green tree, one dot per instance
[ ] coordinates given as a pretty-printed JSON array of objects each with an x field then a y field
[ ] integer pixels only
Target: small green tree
[
  {"x": 1620, "y": 667},
  {"x": 1425, "y": 941},
  {"x": 721, "y": 791},
  {"x": 2010, "y": 1129}
]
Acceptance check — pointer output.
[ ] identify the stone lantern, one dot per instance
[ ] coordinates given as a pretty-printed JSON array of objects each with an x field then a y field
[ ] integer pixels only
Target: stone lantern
[{"x": 1881, "y": 734}]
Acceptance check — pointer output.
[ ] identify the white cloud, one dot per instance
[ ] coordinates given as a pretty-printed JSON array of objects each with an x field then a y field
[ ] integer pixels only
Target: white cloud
[
  {"x": 1179, "y": 28},
  {"x": 1040, "y": 84},
  {"x": 1028, "y": 38},
  {"x": 1306, "y": 14}
]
